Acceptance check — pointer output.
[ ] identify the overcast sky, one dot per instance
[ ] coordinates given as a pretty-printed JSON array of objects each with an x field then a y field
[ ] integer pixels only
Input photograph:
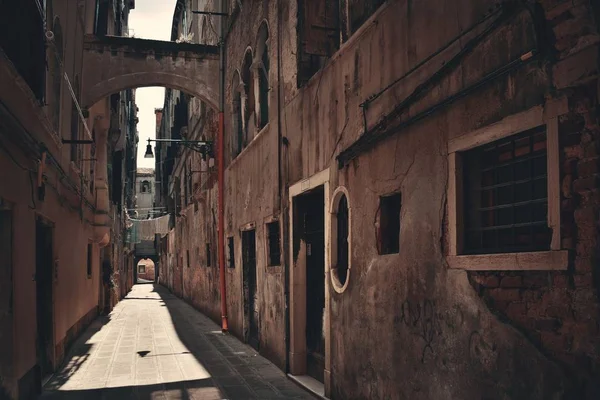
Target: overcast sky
[{"x": 151, "y": 19}]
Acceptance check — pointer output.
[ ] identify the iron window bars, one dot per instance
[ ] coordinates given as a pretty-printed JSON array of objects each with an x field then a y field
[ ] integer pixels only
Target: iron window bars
[{"x": 506, "y": 197}]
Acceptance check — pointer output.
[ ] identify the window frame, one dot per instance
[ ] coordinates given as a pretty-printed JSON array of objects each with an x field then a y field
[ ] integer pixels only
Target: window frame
[
  {"x": 333, "y": 254},
  {"x": 230, "y": 252},
  {"x": 90, "y": 259},
  {"x": 208, "y": 250},
  {"x": 268, "y": 224},
  {"x": 554, "y": 259},
  {"x": 380, "y": 228}
]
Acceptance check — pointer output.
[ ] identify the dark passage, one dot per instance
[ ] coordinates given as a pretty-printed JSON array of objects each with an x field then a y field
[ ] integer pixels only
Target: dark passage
[
  {"x": 44, "y": 312},
  {"x": 312, "y": 224}
]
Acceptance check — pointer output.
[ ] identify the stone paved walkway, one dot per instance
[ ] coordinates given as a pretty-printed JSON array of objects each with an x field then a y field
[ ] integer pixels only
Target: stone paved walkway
[{"x": 155, "y": 346}]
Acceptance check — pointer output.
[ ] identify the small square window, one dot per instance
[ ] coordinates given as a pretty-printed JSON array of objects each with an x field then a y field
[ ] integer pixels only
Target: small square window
[
  {"x": 274, "y": 243},
  {"x": 389, "y": 224},
  {"x": 230, "y": 253},
  {"x": 208, "y": 254},
  {"x": 506, "y": 195},
  {"x": 90, "y": 249},
  {"x": 142, "y": 268}
]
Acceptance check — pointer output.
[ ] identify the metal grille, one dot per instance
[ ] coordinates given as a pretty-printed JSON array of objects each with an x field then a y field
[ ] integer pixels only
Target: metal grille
[{"x": 506, "y": 197}]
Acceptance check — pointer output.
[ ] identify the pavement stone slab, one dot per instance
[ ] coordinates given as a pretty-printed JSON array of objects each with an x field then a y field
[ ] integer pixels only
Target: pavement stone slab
[{"x": 164, "y": 349}]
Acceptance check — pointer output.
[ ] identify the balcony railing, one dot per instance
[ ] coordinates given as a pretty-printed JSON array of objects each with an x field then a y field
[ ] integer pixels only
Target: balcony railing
[{"x": 22, "y": 40}]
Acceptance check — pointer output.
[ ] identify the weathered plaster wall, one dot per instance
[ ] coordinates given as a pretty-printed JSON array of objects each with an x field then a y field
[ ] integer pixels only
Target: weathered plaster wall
[
  {"x": 251, "y": 196},
  {"x": 74, "y": 293},
  {"x": 407, "y": 326},
  {"x": 429, "y": 324}
]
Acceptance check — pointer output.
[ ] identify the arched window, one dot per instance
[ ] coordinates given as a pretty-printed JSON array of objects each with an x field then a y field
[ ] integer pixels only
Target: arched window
[
  {"x": 248, "y": 101},
  {"x": 340, "y": 241},
  {"x": 262, "y": 68},
  {"x": 237, "y": 124},
  {"x": 145, "y": 187}
]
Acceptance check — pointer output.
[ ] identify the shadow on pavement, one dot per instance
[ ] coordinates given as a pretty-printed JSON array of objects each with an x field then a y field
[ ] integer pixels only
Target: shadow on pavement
[
  {"x": 239, "y": 371},
  {"x": 195, "y": 389},
  {"x": 235, "y": 370},
  {"x": 77, "y": 354}
]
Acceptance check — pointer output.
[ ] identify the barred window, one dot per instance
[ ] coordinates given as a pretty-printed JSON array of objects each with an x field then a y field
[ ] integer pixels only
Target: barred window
[{"x": 506, "y": 196}]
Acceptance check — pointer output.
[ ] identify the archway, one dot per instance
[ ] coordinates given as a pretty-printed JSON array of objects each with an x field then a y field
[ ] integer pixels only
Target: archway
[
  {"x": 145, "y": 270},
  {"x": 137, "y": 80},
  {"x": 113, "y": 64}
]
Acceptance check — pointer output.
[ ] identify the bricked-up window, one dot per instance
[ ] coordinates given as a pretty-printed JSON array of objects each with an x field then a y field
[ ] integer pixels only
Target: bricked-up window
[
  {"x": 360, "y": 11},
  {"x": 389, "y": 223},
  {"x": 506, "y": 196},
  {"x": 230, "y": 253},
  {"x": 208, "y": 254},
  {"x": 274, "y": 243},
  {"x": 90, "y": 249},
  {"x": 318, "y": 35}
]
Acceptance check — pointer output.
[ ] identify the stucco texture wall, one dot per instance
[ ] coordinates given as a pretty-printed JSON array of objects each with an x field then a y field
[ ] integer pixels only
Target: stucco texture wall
[
  {"x": 407, "y": 326},
  {"x": 74, "y": 293}
]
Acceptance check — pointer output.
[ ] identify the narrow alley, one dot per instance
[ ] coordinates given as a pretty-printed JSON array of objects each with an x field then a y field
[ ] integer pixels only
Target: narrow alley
[
  {"x": 282, "y": 199},
  {"x": 155, "y": 346}
]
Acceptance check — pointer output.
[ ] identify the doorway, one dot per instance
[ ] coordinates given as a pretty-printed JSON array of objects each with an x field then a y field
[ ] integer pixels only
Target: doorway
[
  {"x": 310, "y": 229},
  {"x": 250, "y": 288},
  {"x": 309, "y": 302},
  {"x": 6, "y": 300},
  {"x": 44, "y": 297}
]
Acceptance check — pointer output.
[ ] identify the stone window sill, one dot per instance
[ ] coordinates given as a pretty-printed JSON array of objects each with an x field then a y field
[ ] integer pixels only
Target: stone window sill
[{"x": 557, "y": 260}]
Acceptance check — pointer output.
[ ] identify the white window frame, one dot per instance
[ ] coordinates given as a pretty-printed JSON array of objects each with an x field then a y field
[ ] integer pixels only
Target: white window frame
[
  {"x": 554, "y": 259},
  {"x": 338, "y": 286}
]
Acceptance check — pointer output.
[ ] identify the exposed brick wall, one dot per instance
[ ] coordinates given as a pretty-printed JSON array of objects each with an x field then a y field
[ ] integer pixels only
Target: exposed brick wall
[{"x": 559, "y": 310}]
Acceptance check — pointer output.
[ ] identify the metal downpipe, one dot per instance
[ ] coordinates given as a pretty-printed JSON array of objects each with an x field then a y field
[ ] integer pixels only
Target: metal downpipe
[{"x": 221, "y": 174}]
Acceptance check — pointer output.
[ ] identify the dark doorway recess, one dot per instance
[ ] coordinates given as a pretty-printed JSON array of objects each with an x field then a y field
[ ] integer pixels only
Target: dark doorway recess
[
  {"x": 310, "y": 228},
  {"x": 250, "y": 288},
  {"x": 6, "y": 296},
  {"x": 44, "y": 297}
]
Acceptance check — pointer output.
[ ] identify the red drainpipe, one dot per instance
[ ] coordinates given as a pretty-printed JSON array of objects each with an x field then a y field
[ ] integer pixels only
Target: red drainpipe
[{"x": 221, "y": 174}]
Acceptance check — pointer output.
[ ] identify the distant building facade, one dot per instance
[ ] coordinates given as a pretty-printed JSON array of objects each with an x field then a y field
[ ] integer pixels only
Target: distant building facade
[{"x": 145, "y": 189}]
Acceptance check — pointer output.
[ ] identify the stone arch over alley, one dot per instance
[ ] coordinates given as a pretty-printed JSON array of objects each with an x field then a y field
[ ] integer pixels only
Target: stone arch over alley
[{"x": 112, "y": 64}]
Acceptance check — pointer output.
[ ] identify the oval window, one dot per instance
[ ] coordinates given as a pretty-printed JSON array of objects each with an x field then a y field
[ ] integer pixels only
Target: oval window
[{"x": 340, "y": 254}]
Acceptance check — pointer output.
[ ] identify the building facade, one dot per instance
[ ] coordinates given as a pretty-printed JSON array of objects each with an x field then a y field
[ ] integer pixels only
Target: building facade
[
  {"x": 145, "y": 189},
  {"x": 410, "y": 212},
  {"x": 61, "y": 195}
]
